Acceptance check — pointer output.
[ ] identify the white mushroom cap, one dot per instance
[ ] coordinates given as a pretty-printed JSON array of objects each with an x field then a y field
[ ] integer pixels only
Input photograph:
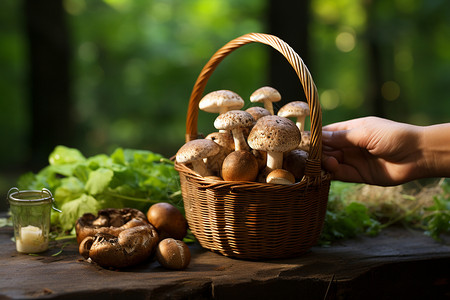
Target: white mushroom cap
[
  {"x": 221, "y": 101},
  {"x": 236, "y": 121},
  {"x": 275, "y": 135},
  {"x": 195, "y": 151},
  {"x": 295, "y": 109},
  {"x": 266, "y": 95}
]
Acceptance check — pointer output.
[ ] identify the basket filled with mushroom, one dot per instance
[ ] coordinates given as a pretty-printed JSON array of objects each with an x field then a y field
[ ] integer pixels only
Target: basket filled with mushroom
[{"x": 254, "y": 189}]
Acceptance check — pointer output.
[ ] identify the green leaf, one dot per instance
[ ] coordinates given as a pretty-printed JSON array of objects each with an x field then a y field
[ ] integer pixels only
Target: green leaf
[
  {"x": 62, "y": 155},
  {"x": 70, "y": 188},
  {"x": 74, "y": 209},
  {"x": 99, "y": 180}
]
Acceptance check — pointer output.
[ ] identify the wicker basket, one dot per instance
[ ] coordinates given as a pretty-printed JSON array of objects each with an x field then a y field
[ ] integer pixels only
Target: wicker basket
[{"x": 251, "y": 220}]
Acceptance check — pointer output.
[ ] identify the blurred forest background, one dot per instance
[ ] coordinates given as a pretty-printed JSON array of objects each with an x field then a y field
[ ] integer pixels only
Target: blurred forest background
[{"x": 96, "y": 75}]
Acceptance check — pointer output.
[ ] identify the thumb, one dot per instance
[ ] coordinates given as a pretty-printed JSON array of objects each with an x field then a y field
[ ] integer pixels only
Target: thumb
[{"x": 343, "y": 138}]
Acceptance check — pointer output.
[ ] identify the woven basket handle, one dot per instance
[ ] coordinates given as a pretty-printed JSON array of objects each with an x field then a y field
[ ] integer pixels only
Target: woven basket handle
[{"x": 313, "y": 166}]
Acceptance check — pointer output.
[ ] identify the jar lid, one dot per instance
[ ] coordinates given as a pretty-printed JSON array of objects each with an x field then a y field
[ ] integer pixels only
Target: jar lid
[{"x": 33, "y": 197}]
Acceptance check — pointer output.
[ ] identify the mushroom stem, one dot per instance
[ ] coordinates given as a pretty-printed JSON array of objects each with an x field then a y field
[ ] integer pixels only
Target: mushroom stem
[
  {"x": 274, "y": 160},
  {"x": 239, "y": 140},
  {"x": 223, "y": 109},
  {"x": 301, "y": 123},
  {"x": 200, "y": 167},
  {"x": 269, "y": 106}
]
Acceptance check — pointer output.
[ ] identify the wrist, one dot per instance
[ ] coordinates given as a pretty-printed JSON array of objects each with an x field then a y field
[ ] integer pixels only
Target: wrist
[{"x": 435, "y": 148}]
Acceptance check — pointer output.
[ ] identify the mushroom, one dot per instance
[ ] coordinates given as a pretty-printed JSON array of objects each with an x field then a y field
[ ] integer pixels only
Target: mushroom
[
  {"x": 194, "y": 152},
  {"x": 226, "y": 145},
  {"x": 275, "y": 135},
  {"x": 240, "y": 166},
  {"x": 168, "y": 220},
  {"x": 221, "y": 101},
  {"x": 266, "y": 95},
  {"x": 296, "y": 109},
  {"x": 295, "y": 161},
  {"x": 173, "y": 254},
  {"x": 130, "y": 247},
  {"x": 306, "y": 141},
  {"x": 280, "y": 176},
  {"x": 236, "y": 121},
  {"x": 258, "y": 112},
  {"x": 110, "y": 221}
]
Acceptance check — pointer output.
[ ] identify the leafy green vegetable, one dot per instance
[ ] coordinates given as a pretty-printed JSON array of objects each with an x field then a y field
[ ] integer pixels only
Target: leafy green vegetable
[{"x": 126, "y": 178}]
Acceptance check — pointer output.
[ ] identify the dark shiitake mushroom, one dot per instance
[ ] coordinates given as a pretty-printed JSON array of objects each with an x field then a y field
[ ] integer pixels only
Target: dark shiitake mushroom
[
  {"x": 108, "y": 221},
  {"x": 130, "y": 247},
  {"x": 168, "y": 220}
]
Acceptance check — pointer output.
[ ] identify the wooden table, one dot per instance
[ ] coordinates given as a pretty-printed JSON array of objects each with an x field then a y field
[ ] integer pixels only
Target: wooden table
[{"x": 397, "y": 264}]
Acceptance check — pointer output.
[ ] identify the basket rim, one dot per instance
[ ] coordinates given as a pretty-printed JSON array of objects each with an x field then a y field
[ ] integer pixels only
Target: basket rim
[
  {"x": 313, "y": 166},
  {"x": 250, "y": 185}
]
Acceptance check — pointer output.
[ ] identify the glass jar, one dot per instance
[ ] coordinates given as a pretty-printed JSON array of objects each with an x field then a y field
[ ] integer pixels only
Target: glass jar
[{"x": 30, "y": 211}]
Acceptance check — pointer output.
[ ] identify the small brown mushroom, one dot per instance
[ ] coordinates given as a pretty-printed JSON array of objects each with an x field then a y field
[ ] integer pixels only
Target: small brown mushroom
[
  {"x": 168, "y": 220},
  {"x": 275, "y": 135},
  {"x": 240, "y": 166},
  {"x": 236, "y": 121},
  {"x": 173, "y": 254},
  {"x": 110, "y": 221},
  {"x": 194, "y": 152},
  {"x": 221, "y": 101},
  {"x": 266, "y": 95},
  {"x": 130, "y": 247},
  {"x": 280, "y": 176},
  {"x": 296, "y": 109}
]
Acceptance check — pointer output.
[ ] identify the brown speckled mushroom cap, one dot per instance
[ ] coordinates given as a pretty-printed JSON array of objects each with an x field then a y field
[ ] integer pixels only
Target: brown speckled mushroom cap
[
  {"x": 221, "y": 101},
  {"x": 295, "y": 109},
  {"x": 236, "y": 121},
  {"x": 275, "y": 135},
  {"x": 266, "y": 95},
  {"x": 257, "y": 112},
  {"x": 224, "y": 139},
  {"x": 196, "y": 150}
]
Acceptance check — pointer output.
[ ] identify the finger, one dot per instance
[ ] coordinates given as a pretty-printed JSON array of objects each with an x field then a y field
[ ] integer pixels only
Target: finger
[
  {"x": 345, "y": 138},
  {"x": 337, "y": 154},
  {"x": 341, "y": 172},
  {"x": 344, "y": 125}
]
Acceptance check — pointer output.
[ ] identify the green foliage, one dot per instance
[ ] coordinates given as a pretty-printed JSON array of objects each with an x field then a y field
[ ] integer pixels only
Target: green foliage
[
  {"x": 437, "y": 219},
  {"x": 349, "y": 215},
  {"x": 126, "y": 178},
  {"x": 346, "y": 218}
]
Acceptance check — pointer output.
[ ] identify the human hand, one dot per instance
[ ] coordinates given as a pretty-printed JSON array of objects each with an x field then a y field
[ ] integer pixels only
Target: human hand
[{"x": 373, "y": 150}]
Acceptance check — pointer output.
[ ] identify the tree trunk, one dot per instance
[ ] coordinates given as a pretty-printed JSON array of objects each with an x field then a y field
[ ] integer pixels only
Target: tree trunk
[
  {"x": 288, "y": 20},
  {"x": 49, "y": 79},
  {"x": 374, "y": 56}
]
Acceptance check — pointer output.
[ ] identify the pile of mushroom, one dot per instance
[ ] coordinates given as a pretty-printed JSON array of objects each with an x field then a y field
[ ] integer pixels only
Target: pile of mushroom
[
  {"x": 118, "y": 238},
  {"x": 250, "y": 145}
]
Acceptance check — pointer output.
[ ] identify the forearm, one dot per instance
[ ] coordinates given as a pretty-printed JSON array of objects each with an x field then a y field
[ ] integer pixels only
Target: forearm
[{"x": 435, "y": 145}]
